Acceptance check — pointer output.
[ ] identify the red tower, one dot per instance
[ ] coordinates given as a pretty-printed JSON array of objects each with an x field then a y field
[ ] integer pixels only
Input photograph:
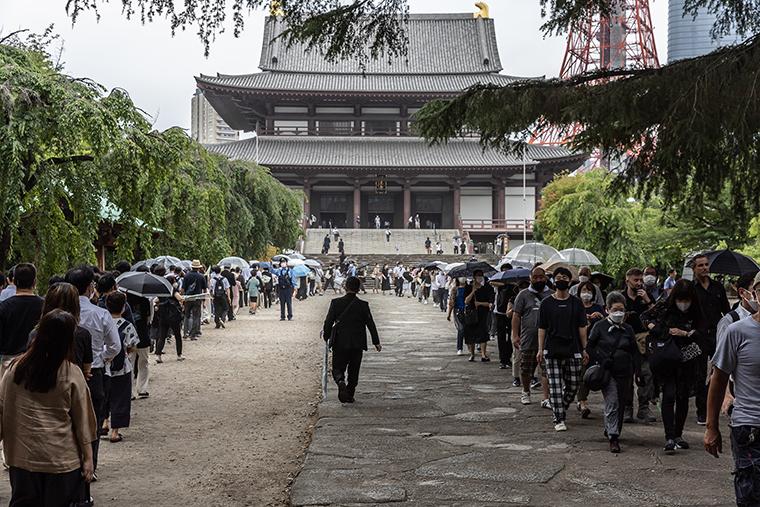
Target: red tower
[{"x": 622, "y": 39}]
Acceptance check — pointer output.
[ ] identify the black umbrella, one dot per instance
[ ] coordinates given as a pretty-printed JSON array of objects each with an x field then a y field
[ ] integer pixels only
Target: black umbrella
[
  {"x": 470, "y": 267},
  {"x": 604, "y": 279},
  {"x": 147, "y": 285},
  {"x": 728, "y": 262},
  {"x": 511, "y": 276}
]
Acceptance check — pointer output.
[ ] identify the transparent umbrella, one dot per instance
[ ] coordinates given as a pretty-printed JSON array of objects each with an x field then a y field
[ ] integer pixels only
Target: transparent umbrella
[
  {"x": 234, "y": 262},
  {"x": 531, "y": 252},
  {"x": 166, "y": 261},
  {"x": 576, "y": 257}
]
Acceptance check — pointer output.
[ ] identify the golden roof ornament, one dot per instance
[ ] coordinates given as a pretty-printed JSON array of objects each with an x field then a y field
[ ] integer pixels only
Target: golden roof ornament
[
  {"x": 275, "y": 8},
  {"x": 482, "y": 10}
]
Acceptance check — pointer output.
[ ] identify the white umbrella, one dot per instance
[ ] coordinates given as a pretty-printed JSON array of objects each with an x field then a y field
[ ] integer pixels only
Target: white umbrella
[
  {"x": 530, "y": 252},
  {"x": 576, "y": 257},
  {"x": 166, "y": 261},
  {"x": 297, "y": 255},
  {"x": 295, "y": 262},
  {"x": 314, "y": 263},
  {"x": 234, "y": 262}
]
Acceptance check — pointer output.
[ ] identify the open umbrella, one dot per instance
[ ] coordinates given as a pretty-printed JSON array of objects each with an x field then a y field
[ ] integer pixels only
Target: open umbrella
[
  {"x": 166, "y": 261},
  {"x": 604, "y": 279},
  {"x": 187, "y": 265},
  {"x": 576, "y": 257},
  {"x": 511, "y": 276},
  {"x": 301, "y": 270},
  {"x": 313, "y": 263},
  {"x": 435, "y": 265},
  {"x": 147, "y": 263},
  {"x": 451, "y": 266},
  {"x": 296, "y": 255},
  {"x": 147, "y": 285},
  {"x": 549, "y": 267},
  {"x": 295, "y": 262},
  {"x": 531, "y": 252},
  {"x": 265, "y": 265},
  {"x": 728, "y": 262},
  {"x": 278, "y": 258},
  {"x": 470, "y": 267},
  {"x": 234, "y": 262}
]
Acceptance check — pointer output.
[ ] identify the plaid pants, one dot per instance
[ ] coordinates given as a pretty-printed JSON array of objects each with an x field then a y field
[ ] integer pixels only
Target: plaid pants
[{"x": 564, "y": 380}]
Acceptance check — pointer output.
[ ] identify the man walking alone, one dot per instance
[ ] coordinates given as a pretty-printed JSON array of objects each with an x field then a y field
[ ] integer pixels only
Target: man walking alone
[{"x": 345, "y": 327}]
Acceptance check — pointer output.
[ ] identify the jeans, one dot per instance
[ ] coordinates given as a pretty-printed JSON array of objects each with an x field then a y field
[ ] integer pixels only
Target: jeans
[
  {"x": 350, "y": 359},
  {"x": 745, "y": 446},
  {"x": 286, "y": 299},
  {"x": 193, "y": 318},
  {"x": 459, "y": 323}
]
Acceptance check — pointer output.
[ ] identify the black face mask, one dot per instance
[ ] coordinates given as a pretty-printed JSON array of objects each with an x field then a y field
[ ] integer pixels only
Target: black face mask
[
  {"x": 538, "y": 286},
  {"x": 562, "y": 285}
]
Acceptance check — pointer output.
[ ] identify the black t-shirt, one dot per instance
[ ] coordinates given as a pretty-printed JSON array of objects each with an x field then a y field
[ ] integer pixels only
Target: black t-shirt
[
  {"x": 18, "y": 316},
  {"x": 634, "y": 308},
  {"x": 561, "y": 318},
  {"x": 194, "y": 283}
]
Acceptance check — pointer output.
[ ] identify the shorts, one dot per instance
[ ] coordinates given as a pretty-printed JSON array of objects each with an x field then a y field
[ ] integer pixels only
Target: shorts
[
  {"x": 254, "y": 299},
  {"x": 528, "y": 363}
]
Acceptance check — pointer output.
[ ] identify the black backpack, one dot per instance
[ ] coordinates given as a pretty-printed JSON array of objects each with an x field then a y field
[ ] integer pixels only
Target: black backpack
[
  {"x": 117, "y": 363},
  {"x": 219, "y": 290}
]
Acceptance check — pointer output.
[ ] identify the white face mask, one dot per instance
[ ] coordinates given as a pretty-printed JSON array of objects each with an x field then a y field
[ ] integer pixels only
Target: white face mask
[
  {"x": 462, "y": 280},
  {"x": 617, "y": 317},
  {"x": 650, "y": 280},
  {"x": 479, "y": 279},
  {"x": 586, "y": 297},
  {"x": 683, "y": 305},
  {"x": 583, "y": 279}
]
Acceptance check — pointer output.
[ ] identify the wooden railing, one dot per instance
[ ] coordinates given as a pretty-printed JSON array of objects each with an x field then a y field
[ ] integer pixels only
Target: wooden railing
[{"x": 495, "y": 224}]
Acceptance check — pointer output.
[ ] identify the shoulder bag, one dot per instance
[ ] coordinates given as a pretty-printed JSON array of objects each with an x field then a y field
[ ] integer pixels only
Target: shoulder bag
[
  {"x": 471, "y": 311},
  {"x": 598, "y": 374}
]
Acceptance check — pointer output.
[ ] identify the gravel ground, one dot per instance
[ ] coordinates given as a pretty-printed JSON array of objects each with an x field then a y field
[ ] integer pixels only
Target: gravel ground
[{"x": 226, "y": 427}]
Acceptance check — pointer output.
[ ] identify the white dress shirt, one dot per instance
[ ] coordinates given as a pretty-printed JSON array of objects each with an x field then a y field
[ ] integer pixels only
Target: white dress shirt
[{"x": 105, "y": 335}]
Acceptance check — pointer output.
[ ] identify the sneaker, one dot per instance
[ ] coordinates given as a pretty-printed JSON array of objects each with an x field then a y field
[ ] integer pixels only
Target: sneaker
[
  {"x": 681, "y": 443},
  {"x": 472, "y": 358},
  {"x": 546, "y": 404},
  {"x": 670, "y": 447},
  {"x": 701, "y": 420},
  {"x": 560, "y": 426},
  {"x": 516, "y": 383},
  {"x": 535, "y": 383},
  {"x": 460, "y": 352},
  {"x": 502, "y": 366},
  {"x": 525, "y": 398},
  {"x": 645, "y": 415},
  {"x": 143, "y": 395}
]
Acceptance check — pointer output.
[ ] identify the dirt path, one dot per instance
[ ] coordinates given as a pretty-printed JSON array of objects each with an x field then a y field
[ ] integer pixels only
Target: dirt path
[{"x": 226, "y": 427}]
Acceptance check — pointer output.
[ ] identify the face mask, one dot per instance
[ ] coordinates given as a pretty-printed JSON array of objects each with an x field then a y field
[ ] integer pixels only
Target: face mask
[
  {"x": 583, "y": 279},
  {"x": 538, "y": 286},
  {"x": 683, "y": 306},
  {"x": 586, "y": 297},
  {"x": 750, "y": 300},
  {"x": 479, "y": 279},
  {"x": 175, "y": 285},
  {"x": 617, "y": 317},
  {"x": 283, "y": 265},
  {"x": 562, "y": 285},
  {"x": 650, "y": 280}
]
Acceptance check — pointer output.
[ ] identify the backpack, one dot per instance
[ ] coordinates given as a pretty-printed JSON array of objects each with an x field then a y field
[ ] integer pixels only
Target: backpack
[
  {"x": 169, "y": 310},
  {"x": 219, "y": 290},
  {"x": 117, "y": 363},
  {"x": 283, "y": 280}
]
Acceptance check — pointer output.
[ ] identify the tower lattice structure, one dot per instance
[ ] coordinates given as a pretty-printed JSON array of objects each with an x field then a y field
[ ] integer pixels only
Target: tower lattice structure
[{"x": 621, "y": 39}]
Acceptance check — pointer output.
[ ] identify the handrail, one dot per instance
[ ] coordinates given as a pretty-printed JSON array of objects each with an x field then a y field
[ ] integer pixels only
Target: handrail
[{"x": 497, "y": 224}]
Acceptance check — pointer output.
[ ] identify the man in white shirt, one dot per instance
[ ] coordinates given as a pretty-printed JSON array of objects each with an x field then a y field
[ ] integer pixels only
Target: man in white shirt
[
  {"x": 440, "y": 281},
  {"x": 105, "y": 339}
]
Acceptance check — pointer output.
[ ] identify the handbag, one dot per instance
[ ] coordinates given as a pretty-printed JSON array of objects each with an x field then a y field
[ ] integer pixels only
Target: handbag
[
  {"x": 666, "y": 355},
  {"x": 471, "y": 315},
  {"x": 334, "y": 330},
  {"x": 689, "y": 352},
  {"x": 598, "y": 374}
]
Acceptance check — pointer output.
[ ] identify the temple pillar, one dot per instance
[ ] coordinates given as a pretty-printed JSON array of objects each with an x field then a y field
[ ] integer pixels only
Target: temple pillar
[
  {"x": 407, "y": 202},
  {"x": 457, "y": 212},
  {"x": 357, "y": 204},
  {"x": 306, "y": 201},
  {"x": 499, "y": 200}
]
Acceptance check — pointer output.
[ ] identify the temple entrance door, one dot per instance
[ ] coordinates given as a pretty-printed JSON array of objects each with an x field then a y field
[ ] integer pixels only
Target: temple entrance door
[
  {"x": 386, "y": 220},
  {"x": 380, "y": 205},
  {"x": 431, "y": 220},
  {"x": 337, "y": 219}
]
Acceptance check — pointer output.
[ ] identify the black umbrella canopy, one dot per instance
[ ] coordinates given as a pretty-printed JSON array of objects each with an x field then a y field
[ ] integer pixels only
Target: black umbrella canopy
[
  {"x": 728, "y": 262},
  {"x": 604, "y": 279},
  {"x": 147, "y": 285},
  {"x": 470, "y": 267}
]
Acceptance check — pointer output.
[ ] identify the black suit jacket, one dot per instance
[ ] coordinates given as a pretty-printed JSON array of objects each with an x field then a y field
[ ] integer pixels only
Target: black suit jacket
[{"x": 351, "y": 332}]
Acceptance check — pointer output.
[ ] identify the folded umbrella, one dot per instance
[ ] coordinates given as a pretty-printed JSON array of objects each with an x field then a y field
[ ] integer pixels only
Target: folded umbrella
[
  {"x": 142, "y": 283},
  {"x": 469, "y": 268},
  {"x": 728, "y": 262}
]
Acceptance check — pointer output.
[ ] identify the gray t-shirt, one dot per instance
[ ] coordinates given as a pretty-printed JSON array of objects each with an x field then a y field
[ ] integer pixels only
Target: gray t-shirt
[
  {"x": 526, "y": 304},
  {"x": 738, "y": 354}
]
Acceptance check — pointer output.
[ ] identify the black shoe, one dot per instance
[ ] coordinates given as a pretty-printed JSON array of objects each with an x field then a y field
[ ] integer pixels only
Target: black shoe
[
  {"x": 282, "y": 318},
  {"x": 535, "y": 383},
  {"x": 681, "y": 443},
  {"x": 628, "y": 415},
  {"x": 614, "y": 446},
  {"x": 193, "y": 338},
  {"x": 701, "y": 420},
  {"x": 343, "y": 396},
  {"x": 670, "y": 447},
  {"x": 516, "y": 383},
  {"x": 485, "y": 359},
  {"x": 502, "y": 366}
]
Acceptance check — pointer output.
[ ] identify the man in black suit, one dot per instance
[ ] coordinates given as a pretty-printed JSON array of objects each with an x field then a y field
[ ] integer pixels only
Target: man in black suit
[{"x": 350, "y": 316}]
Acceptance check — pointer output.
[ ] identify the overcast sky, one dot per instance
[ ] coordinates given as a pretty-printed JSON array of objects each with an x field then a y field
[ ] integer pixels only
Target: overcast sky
[{"x": 157, "y": 69}]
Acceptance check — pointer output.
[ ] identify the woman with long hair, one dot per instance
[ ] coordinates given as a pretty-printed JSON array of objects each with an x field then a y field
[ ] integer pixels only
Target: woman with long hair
[
  {"x": 48, "y": 423},
  {"x": 681, "y": 322},
  {"x": 65, "y": 296}
]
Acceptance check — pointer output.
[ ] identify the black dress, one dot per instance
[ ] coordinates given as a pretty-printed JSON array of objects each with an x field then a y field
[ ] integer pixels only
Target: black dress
[
  {"x": 479, "y": 333},
  {"x": 386, "y": 285}
]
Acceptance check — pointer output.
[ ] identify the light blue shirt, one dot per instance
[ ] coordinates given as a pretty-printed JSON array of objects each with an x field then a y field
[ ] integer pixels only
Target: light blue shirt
[
  {"x": 105, "y": 335},
  {"x": 7, "y": 292}
]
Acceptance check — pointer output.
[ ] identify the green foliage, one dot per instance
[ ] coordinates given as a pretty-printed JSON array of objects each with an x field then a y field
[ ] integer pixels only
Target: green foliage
[
  {"x": 81, "y": 165},
  {"x": 585, "y": 211}
]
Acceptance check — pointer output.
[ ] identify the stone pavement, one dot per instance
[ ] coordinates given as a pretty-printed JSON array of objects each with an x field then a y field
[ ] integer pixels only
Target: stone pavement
[{"x": 430, "y": 428}]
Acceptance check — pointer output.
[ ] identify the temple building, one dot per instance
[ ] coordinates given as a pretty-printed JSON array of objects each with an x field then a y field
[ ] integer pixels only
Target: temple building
[{"x": 343, "y": 134}]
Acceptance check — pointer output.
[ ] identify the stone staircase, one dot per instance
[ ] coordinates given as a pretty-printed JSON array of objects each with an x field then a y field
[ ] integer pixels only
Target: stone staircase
[{"x": 360, "y": 242}]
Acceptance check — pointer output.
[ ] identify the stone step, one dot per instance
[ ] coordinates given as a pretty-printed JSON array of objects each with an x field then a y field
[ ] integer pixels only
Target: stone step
[{"x": 373, "y": 241}]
